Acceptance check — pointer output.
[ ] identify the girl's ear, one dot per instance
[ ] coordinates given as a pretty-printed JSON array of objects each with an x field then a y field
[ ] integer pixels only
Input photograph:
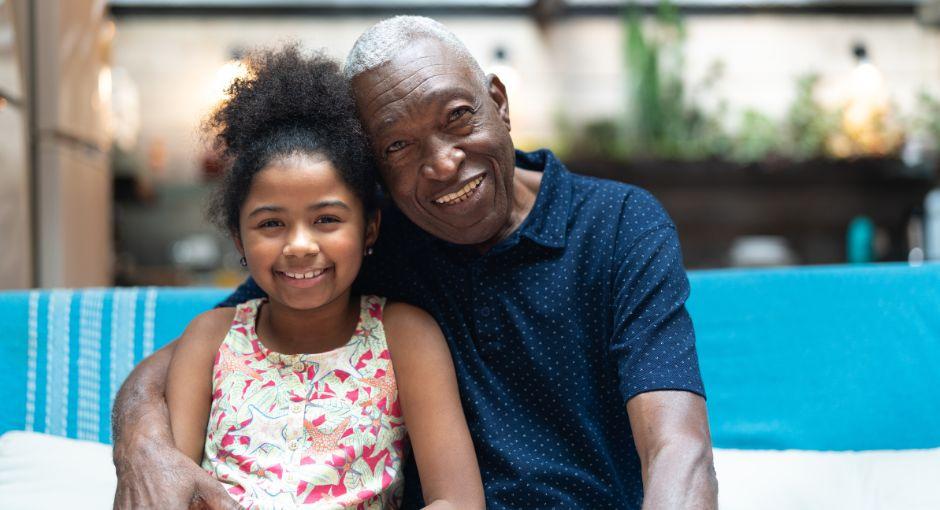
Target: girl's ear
[
  {"x": 238, "y": 242},
  {"x": 372, "y": 228}
]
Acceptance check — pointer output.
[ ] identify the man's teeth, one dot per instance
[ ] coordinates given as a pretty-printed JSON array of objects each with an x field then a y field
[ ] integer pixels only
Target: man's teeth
[
  {"x": 305, "y": 276},
  {"x": 461, "y": 194}
]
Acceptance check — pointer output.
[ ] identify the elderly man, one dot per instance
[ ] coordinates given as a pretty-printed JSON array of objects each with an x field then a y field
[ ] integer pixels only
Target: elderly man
[{"x": 561, "y": 297}]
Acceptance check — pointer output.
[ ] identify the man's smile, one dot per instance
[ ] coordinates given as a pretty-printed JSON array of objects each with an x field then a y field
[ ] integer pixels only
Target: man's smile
[{"x": 465, "y": 192}]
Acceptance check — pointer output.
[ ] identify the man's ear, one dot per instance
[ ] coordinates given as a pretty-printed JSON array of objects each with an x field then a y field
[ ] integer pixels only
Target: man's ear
[
  {"x": 497, "y": 92},
  {"x": 372, "y": 228}
]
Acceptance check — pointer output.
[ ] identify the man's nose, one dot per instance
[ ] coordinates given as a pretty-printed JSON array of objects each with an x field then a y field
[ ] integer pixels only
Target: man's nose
[
  {"x": 443, "y": 161},
  {"x": 301, "y": 242}
]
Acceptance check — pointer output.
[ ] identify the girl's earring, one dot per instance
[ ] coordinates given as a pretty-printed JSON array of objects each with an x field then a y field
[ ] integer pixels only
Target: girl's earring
[
  {"x": 368, "y": 251},
  {"x": 243, "y": 262}
]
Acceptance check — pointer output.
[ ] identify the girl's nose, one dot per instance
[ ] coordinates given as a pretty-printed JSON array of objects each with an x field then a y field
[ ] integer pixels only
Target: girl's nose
[{"x": 301, "y": 244}]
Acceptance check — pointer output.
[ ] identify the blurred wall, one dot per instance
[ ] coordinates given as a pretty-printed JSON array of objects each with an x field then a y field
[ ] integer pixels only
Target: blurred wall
[
  {"x": 66, "y": 45},
  {"x": 15, "y": 262},
  {"x": 762, "y": 55},
  {"x": 573, "y": 67}
]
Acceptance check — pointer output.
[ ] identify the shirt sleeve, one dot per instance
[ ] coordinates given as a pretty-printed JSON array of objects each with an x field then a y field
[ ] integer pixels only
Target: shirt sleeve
[
  {"x": 246, "y": 291},
  {"x": 653, "y": 342}
]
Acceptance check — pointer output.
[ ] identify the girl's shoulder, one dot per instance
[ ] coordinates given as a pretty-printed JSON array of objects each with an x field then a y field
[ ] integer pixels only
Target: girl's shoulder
[
  {"x": 206, "y": 332},
  {"x": 401, "y": 311},
  {"x": 407, "y": 326}
]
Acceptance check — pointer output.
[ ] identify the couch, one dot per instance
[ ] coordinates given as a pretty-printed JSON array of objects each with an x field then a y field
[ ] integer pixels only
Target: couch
[{"x": 823, "y": 383}]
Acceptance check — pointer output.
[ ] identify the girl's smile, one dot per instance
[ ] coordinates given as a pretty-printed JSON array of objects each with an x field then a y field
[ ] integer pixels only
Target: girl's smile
[{"x": 303, "y": 279}]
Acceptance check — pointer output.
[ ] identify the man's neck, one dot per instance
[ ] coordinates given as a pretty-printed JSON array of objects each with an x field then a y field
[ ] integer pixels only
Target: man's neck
[{"x": 525, "y": 189}]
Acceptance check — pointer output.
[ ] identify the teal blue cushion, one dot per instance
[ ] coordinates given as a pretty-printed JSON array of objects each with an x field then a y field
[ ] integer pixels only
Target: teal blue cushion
[{"x": 826, "y": 358}]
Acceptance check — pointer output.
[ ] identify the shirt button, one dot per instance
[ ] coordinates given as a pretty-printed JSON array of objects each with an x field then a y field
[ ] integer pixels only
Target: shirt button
[
  {"x": 485, "y": 312},
  {"x": 297, "y": 366}
]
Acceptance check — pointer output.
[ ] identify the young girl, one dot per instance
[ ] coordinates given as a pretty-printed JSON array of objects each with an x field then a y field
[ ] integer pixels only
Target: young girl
[{"x": 303, "y": 398}]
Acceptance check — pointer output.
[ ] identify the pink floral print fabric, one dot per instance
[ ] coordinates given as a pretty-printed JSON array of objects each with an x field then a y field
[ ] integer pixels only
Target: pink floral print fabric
[{"x": 317, "y": 430}]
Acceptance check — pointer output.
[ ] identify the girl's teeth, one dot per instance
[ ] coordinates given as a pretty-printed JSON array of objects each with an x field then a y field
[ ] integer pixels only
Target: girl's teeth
[{"x": 304, "y": 276}]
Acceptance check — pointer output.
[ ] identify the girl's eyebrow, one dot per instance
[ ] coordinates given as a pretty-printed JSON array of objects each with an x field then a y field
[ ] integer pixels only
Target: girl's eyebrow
[
  {"x": 328, "y": 203},
  {"x": 313, "y": 207},
  {"x": 265, "y": 208}
]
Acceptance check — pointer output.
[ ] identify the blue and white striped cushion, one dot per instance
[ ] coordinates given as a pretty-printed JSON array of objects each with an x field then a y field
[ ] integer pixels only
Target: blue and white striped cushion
[{"x": 64, "y": 353}]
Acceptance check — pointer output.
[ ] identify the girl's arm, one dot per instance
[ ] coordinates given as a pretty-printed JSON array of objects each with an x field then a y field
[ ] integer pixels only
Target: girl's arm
[
  {"x": 189, "y": 380},
  {"x": 427, "y": 392}
]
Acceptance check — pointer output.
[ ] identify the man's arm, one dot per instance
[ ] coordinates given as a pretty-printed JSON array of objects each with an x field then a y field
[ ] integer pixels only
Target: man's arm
[
  {"x": 670, "y": 429},
  {"x": 151, "y": 473},
  {"x": 653, "y": 345}
]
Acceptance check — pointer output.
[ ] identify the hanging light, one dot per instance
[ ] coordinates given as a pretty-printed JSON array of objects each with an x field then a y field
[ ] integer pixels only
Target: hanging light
[
  {"x": 866, "y": 114},
  {"x": 502, "y": 68},
  {"x": 225, "y": 76}
]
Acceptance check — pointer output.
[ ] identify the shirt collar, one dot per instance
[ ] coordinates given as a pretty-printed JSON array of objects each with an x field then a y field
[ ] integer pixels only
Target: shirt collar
[{"x": 547, "y": 223}]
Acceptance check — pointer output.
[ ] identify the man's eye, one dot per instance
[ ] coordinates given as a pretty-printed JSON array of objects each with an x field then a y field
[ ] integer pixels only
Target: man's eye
[
  {"x": 459, "y": 112},
  {"x": 395, "y": 146}
]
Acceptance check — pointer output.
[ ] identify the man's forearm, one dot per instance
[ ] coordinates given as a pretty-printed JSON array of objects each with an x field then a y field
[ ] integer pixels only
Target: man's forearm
[
  {"x": 681, "y": 475},
  {"x": 140, "y": 410},
  {"x": 151, "y": 472}
]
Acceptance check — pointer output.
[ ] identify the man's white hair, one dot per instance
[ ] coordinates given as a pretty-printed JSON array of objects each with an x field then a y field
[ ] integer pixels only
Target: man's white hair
[{"x": 387, "y": 38}]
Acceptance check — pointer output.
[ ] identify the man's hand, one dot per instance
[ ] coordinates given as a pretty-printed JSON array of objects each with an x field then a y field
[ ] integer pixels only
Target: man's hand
[
  {"x": 155, "y": 477},
  {"x": 670, "y": 429},
  {"x": 151, "y": 472}
]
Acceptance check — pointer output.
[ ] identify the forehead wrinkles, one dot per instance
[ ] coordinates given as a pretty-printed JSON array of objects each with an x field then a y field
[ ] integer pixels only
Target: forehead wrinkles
[{"x": 394, "y": 88}]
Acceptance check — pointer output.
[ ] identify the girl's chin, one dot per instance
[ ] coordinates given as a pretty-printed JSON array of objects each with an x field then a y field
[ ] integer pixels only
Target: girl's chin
[{"x": 297, "y": 302}]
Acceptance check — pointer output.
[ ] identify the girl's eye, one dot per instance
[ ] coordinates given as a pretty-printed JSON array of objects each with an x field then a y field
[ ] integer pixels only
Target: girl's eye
[
  {"x": 459, "y": 112},
  {"x": 395, "y": 146},
  {"x": 327, "y": 219},
  {"x": 270, "y": 224}
]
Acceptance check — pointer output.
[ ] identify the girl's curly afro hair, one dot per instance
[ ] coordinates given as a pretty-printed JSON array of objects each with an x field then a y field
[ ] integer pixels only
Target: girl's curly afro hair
[{"x": 289, "y": 104}]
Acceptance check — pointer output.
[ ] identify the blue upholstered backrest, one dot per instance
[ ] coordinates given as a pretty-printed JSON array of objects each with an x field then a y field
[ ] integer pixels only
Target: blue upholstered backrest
[
  {"x": 65, "y": 353},
  {"x": 827, "y": 358}
]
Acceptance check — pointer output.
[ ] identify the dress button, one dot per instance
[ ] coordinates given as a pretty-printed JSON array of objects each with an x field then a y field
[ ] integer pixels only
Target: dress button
[
  {"x": 296, "y": 408},
  {"x": 298, "y": 366},
  {"x": 274, "y": 358},
  {"x": 485, "y": 312},
  {"x": 293, "y": 445}
]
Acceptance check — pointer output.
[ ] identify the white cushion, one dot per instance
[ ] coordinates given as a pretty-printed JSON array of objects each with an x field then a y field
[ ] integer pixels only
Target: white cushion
[
  {"x": 39, "y": 472},
  {"x": 810, "y": 480}
]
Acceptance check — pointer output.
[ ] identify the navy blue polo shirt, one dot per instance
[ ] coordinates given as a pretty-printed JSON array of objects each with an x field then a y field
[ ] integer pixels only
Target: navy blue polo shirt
[{"x": 552, "y": 331}]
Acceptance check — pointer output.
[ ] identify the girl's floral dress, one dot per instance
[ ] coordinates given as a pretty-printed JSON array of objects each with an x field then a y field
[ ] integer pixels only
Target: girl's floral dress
[{"x": 306, "y": 430}]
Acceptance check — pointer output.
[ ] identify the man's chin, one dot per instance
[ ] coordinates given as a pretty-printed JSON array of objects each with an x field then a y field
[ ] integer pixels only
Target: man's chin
[{"x": 482, "y": 233}]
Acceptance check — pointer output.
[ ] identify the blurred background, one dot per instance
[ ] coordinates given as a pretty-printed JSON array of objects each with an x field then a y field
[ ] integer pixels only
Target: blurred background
[{"x": 779, "y": 132}]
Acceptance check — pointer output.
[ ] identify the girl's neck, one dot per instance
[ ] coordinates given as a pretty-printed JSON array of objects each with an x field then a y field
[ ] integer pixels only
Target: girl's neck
[{"x": 289, "y": 331}]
